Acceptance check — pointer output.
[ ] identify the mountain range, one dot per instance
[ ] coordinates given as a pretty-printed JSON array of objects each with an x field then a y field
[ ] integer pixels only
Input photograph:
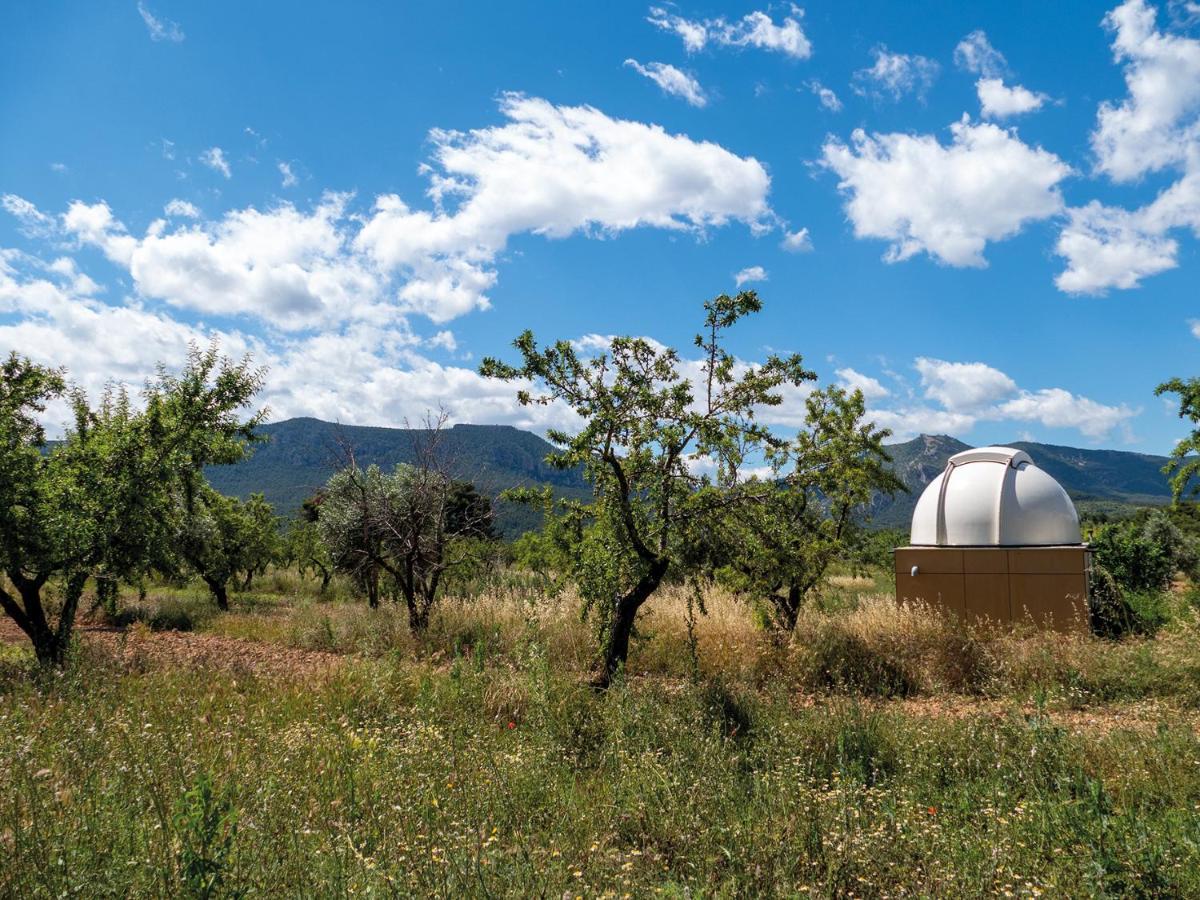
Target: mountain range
[{"x": 298, "y": 456}]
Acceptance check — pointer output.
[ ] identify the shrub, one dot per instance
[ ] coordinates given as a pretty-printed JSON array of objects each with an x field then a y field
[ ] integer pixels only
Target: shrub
[
  {"x": 171, "y": 616},
  {"x": 840, "y": 660}
]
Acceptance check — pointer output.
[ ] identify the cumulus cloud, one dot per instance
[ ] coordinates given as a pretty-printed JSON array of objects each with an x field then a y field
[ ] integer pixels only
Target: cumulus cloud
[
  {"x": 852, "y": 380},
  {"x": 975, "y": 53},
  {"x": 998, "y": 101},
  {"x": 289, "y": 177},
  {"x": 214, "y": 158},
  {"x": 160, "y": 29},
  {"x": 755, "y": 29},
  {"x": 749, "y": 275},
  {"x": 1156, "y": 127},
  {"x": 796, "y": 241},
  {"x": 672, "y": 81},
  {"x": 963, "y": 387},
  {"x": 896, "y": 74},
  {"x": 826, "y": 96},
  {"x": 328, "y": 289},
  {"x": 955, "y": 396},
  {"x": 31, "y": 221},
  {"x": 552, "y": 171},
  {"x": 947, "y": 201},
  {"x": 181, "y": 209}
]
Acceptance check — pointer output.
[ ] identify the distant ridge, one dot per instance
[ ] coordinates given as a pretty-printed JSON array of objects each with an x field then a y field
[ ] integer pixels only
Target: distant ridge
[{"x": 299, "y": 455}]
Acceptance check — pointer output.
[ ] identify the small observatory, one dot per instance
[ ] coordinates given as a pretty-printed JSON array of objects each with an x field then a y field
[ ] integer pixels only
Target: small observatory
[{"x": 994, "y": 537}]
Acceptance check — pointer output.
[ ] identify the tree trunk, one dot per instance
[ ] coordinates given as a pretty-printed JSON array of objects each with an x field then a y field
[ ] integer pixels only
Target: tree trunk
[
  {"x": 418, "y": 619},
  {"x": 326, "y": 574},
  {"x": 616, "y": 649},
  {"x": 787, "y": 608},
  {"x": 373, "y": 589},
  {"x": 219, "y": 592},
  {"x": 249, "y": 579}
]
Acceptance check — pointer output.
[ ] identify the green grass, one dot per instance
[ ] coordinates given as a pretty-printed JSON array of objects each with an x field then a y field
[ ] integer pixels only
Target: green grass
[
  {"x": 880, "y": 753},
  {"x": 484, "y": 781}
]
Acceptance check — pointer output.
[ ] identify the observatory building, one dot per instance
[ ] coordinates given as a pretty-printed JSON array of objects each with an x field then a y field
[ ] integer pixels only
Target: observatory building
[{"x": 995, "y": 537}]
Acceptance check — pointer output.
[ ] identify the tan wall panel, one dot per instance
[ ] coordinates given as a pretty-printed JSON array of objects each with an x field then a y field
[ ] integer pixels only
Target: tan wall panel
[
  {"x": 985, "y": 561},
  {"x": 1053, "y": 600},
  {"x": 939, "y": 592},
  {"x": 1050, "y": 560},
  {"x": 985, "y": 597},
  {"x": 929, "y": 561}
]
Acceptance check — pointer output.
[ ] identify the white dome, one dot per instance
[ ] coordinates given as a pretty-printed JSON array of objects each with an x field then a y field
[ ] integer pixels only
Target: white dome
[{"x": 994, "y": 496}]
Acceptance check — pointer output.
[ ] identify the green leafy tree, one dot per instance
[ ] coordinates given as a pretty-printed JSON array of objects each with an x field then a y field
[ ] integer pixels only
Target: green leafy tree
[
  {"x": 779, "y": 547},
  {"x": 1185, "y": 458},
  {"x": 221, "y": 537},
  {"x": 263, "y": 543},
  {"x": 305, "y": 548},
  {"x": 102, "y": 501},
  {"x": 642, "y": 423}
]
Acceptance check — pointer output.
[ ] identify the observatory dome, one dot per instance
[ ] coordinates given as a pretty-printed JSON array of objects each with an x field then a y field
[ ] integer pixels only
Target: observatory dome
[{"x": 994, "y": 497}]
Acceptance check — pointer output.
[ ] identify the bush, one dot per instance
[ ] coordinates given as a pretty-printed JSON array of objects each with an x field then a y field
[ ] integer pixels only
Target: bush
[
  {"x": 842, "y": 661},
  {"x": 172, "y": 616},
  {"x": 1136, "y": 560}
]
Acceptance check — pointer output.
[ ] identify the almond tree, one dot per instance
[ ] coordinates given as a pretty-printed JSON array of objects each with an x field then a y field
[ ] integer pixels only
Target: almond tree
[
  {"x": 102, "y": 501},
  {"x": 779, "y": 548},
  {"x": 643, "y": 422}
]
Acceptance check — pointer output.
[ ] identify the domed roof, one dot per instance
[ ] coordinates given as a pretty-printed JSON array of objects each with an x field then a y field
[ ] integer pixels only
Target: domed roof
[{"x": 994, "y": 496}]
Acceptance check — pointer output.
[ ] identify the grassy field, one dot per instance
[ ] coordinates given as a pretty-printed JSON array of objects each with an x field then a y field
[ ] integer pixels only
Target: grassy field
[{"x": 307, "y": 747}]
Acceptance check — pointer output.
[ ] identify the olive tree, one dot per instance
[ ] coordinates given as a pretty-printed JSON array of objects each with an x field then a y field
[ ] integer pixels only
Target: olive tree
[
  {"x": 642, "y": 423},
  {"x": 102, "y": 501},
  {"x": 779, "y": 547},
  {"x": 304, "y": 546},
  {"x": 415, "y": 525}
]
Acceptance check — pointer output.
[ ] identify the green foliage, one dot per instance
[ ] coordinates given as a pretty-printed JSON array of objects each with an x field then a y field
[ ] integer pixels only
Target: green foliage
[
  {"x": 1143, "y": 553},
  {"x": 1185, "y": 457},
  {"x": 644, "y": 423},
  {"x": 219, "y": 537},
  {"x": 413, "y": 525},
  {"x": 778, "y": 546},
  {"x": 102, "y": 502},
  {"x": 205, "y": 824}
]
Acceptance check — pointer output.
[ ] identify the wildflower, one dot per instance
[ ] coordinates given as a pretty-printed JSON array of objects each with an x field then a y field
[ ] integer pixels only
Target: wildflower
[
  {"x": 512, "y": 725},
  {"x": 933, "y": 810}
]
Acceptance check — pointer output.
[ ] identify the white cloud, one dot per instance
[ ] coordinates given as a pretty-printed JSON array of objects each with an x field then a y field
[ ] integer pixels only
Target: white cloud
[
  {"x": 750, "y": 274},
  {"x": 755, "y": 29},
  {"x": 947, "y": 201},
  {"x": 896, "y": 74},
  {"x": 959, "y": 395},
  {"x": 872, "y": 388},
  {"x": 1106, "y": 247},
  {"x": 828, "y": 98},
  {"x": 553, "y": 171},
  {"x": 160, "y": 29},
  {"x": 975, "y": 53},
  {"x": 60, "y": 168},
  {"x": 998, "y": 101},
  {"x": 796, "y": 241},
  {"x": 1156, "y": 126},
  {"x": 963, "y": 387},
  {"x": 671, "y": 81},
  {"x": 181, "y": 209},
  {"x": 214, "y": 158},
  {"x": 1058, "y": 408},
  {"x": 33, "y": 222},
  {"x": 289, "y": 177},
  {"x": 327, "y": 289}
]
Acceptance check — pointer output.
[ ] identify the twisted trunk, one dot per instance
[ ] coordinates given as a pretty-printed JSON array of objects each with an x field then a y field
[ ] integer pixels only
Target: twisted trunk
[{"x": 616, "y": 649}]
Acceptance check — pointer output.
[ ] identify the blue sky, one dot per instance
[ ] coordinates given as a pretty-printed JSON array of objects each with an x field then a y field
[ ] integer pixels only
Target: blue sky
[{"x": 982, "y": 214}]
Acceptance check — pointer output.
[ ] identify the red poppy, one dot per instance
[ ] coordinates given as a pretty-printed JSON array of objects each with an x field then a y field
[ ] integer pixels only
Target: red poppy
[
  {"x": 512, "y": 725},
  {"x": 933, "y": 810}
]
